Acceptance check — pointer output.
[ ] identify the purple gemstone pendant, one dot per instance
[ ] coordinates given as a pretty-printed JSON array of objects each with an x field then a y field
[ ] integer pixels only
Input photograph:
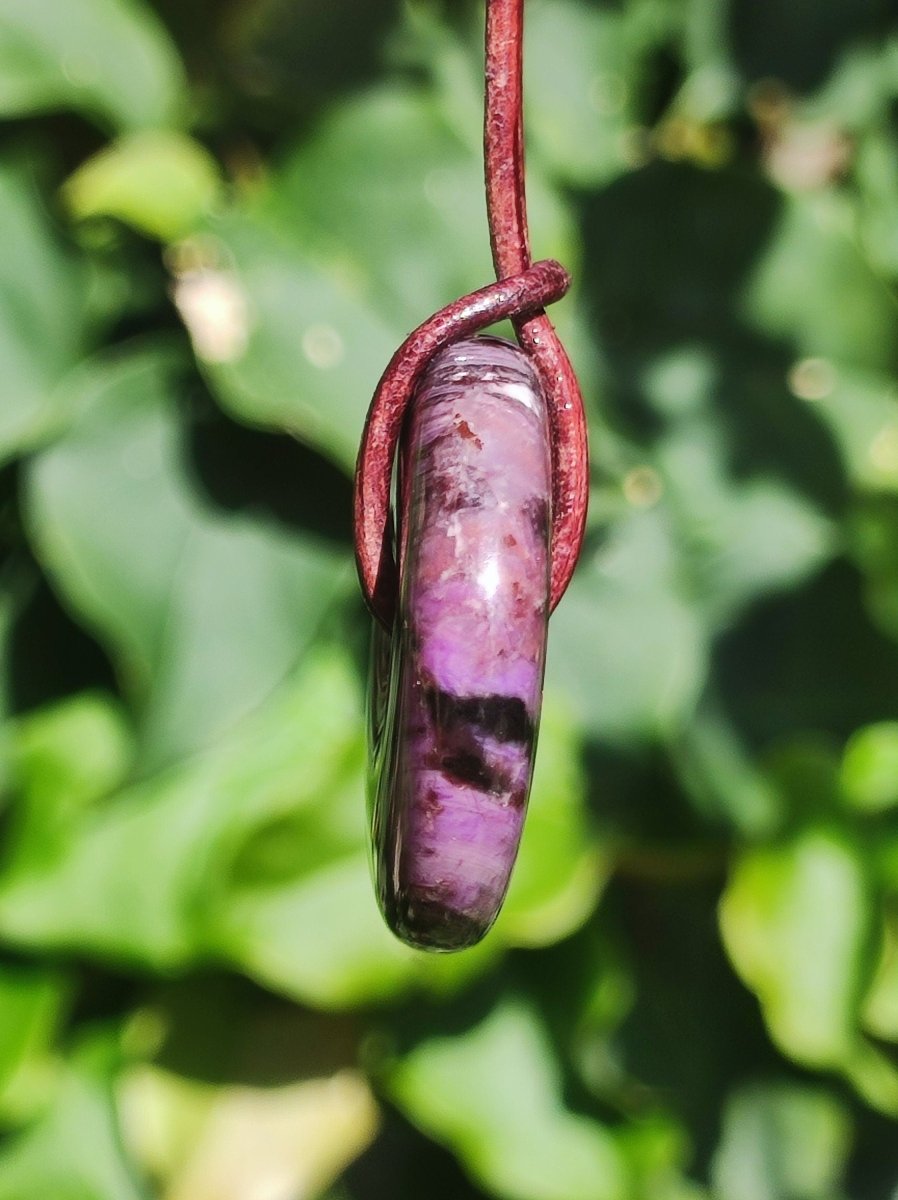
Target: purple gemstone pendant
[{"x": 456, "y": 689}]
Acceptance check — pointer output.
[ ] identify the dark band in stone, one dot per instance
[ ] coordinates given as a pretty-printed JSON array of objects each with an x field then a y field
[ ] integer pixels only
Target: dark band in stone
[
  {"x": 537, "y": 510},
  {"x": 468, "y": 767},
  {"x": 504, "y": 718}
]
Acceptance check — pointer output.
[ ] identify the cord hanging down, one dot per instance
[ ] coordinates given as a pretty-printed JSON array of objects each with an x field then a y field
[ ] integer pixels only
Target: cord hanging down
[{"x": 521, "y": 293}]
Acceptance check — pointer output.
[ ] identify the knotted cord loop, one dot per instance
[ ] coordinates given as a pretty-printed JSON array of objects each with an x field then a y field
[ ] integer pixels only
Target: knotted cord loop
[
  {"x": 541, "y": 284},
  {"x": 521, "y": 293}
]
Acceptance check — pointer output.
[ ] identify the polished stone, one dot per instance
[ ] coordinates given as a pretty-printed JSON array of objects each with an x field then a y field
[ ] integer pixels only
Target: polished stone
[{"x": 456, "y": 695}]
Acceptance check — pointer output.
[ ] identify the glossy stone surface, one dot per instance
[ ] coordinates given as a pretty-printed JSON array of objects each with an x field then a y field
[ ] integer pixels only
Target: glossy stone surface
[{"x": 456, "y": 694}]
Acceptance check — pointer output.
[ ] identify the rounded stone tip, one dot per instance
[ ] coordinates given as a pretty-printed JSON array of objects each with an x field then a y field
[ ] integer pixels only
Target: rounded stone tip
[{"x": 426, "y": 924}]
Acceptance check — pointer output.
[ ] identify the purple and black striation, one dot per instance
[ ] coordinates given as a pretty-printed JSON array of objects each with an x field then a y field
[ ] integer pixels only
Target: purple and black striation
[{"x": 456, "y": 697}]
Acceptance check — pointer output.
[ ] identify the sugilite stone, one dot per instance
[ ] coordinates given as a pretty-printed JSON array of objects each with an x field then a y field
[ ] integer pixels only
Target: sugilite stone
[{"x": 456, "y": 690}]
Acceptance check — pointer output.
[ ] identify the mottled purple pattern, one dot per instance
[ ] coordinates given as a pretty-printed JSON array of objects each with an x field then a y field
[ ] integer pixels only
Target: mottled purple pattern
[{"x": 454, "y": 731}]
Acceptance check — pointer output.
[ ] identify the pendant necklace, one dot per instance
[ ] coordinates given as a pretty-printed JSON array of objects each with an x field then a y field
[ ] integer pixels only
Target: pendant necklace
[{"x": 487, "y": 442}]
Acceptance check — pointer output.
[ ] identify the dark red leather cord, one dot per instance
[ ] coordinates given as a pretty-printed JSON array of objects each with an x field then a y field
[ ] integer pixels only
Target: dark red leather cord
[
  {"x": 521, "y": 293},
  {"x": 507, "y": 211}
]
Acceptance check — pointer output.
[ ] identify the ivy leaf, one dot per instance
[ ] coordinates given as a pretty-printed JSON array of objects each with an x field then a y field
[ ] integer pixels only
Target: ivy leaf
[
  {"x": 110, "y": 59},
  {"x": 372, "y": 224},
  {"x": 152, "y": 875},
  {"x": 70, "y": 754},
  {"x": 628, "y": 650},
  {"x": 809, "y": 259},
  {"x": 31, "y": 1000},
  {"x": 782, "y": 1142},
  {"x": 203, "y": 610},
  {"x": 578, "y": 63},
  {"x": 493, "y": 1094},
  {"x": 284, "y": 341},
  {"x": 74, "y": 1151},
  {"x": 795, "y": 920},
  {"x": 870, "y": 767},
  {"x": 880, "y": 1011},
  {"x": 161, "y": 182},
  {"x": 861, "y": 410},
  {"x": 296, "y": 1137},
  {"x": 560, "y": 868},
  {"x": 383, "y": 177},
  {"x": 42, "y": 325},
  {"x": 738, "y": 540},
  {"x": 253, "y": 853}
]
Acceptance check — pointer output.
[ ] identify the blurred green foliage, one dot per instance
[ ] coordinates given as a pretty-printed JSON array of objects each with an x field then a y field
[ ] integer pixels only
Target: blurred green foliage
[{"x": 219, "y": 219}]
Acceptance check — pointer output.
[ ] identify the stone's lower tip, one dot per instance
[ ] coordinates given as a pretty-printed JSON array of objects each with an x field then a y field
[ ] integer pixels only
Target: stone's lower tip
[{"x": 427, "y": 924}]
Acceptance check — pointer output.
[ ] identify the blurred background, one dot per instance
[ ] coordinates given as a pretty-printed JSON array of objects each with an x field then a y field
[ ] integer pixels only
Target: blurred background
[{"x": 219, "y": 218}]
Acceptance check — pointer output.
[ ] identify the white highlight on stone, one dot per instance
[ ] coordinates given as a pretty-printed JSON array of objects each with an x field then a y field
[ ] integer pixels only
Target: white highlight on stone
[
  {"x": 489, "y": 577},
  {"x": 522, "y": 394}
]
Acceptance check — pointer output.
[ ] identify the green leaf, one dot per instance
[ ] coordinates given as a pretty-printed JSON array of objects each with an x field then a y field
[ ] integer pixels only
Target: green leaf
[
  {"x": 42, "y": 325},
  {"x": 870, "y": 767},
  {"x": 880, "y": 1010},
  {"x": 8, "y": 609},
  {"x": 861, "y": 410},
  {"x": 628, "y": 652},
  {"x": 739, "y": 540},
  {"x": 876, "y": 170},
  {"x": 782, "y": 1141},
  {"x": 318, "y": 938},
  {"x": 254, "y": 853},
  {"x": 874, "y": 1077},
  {"x": 160, "y": 182},
  {"x": 858, "y": 93},
  {"x": 657, "y": 1152},
  {"x": 203, "y": 610},
  {"x": 297, "y": 908},
  {"x": 285, "y": 341},
  {"x": 70, "y": 754},
  {"x": 493, "y": 1094},
  {"x": 579, "y": 66},
  {"x": 739, "y": 537},
  {"x": 74, "y": 1152},
  {"x": 795, "y": 920},
  {"x": 396, "y": 198},
  {"x": 560, "y": 868},
  {"x": 147, "y": 875},
  {"x": 809, "y": 261},
  {"x": 391, "y": 193},
  {"x": 229, "y": 1142},
  {"x": 110, "y": 59},
  {"x": 31, "y": 998},
  {"x": 804, "y": 770},
  {"x": 721, "y": 775},
  {"x": 874, "y": 546},
  {"x": 371, "y": 225}
]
